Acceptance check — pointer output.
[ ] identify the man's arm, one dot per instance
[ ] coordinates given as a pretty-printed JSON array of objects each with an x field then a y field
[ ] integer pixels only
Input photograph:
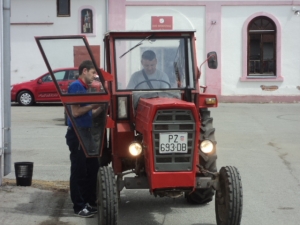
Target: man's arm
[{"x": 78, "y": 110}]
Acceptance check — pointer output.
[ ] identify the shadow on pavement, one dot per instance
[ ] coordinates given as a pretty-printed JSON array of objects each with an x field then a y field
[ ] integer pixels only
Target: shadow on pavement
[{"x": 151, "y": 210}]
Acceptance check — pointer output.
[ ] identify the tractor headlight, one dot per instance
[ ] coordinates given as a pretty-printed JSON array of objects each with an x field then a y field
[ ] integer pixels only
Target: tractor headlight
[
  {"x": 135, "y": 148},
  {"x": 122, "y": 108},
  {"x": 206, "y": 146}
]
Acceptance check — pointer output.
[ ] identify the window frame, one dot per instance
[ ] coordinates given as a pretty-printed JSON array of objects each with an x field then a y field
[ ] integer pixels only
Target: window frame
[
  {"x": 277, "y": 77},
  {"x": 69, "y": 9},
  {"x": 262, "y": 34}
]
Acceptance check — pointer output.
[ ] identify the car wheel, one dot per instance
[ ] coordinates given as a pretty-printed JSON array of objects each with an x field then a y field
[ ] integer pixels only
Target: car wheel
[{"x": 25, "y": 98}]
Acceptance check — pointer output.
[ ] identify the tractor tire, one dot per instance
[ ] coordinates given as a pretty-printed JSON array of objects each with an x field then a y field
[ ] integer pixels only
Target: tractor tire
[
  {"x": 229, "y": 198},
  {"x": 107, "y": 198},
  {"x": 25, "y": 98},
  {"x": 208, "y": 161}
]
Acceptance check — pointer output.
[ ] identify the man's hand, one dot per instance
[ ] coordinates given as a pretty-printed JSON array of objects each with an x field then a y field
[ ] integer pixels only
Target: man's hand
[{"x": 97, "y": 109}]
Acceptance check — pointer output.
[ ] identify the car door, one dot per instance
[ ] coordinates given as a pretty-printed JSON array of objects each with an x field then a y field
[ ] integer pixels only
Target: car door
[{"x": 45, "y": 90}]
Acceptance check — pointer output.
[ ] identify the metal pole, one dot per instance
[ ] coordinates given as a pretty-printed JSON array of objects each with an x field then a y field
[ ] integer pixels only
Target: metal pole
[
  {"x": 6, "y": 87},
  {"x": 1, "y": 95}
]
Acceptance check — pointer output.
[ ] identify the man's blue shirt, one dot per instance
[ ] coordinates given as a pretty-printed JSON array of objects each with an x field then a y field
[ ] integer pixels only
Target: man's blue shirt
[{"x": 84, "y": 120}]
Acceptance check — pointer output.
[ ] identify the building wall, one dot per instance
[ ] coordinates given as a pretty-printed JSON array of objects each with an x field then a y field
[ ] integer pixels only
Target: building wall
[
  {"x": 232, "y": 51},
  {"x": 26, "y": 59},
  {"x": 220, "y": 27},
  {"x": 184, "y": 18}
]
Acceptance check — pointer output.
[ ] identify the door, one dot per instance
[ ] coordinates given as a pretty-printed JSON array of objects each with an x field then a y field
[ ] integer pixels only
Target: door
[{"x": 58, "y": 52}]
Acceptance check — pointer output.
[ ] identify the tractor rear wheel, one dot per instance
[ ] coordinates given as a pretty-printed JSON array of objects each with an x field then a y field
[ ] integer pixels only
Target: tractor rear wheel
[
  {"x": 208, "y": 161},
  {"x": 107, "y": 198},
  {"x": 229, "y": 198}
]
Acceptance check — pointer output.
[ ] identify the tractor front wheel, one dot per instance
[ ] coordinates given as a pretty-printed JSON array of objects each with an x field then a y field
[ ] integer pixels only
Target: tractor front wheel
[
  {"x": 107, "y": 198},
  {"x": 229, "y": 197},
  {"x": 208, "y": 161}
]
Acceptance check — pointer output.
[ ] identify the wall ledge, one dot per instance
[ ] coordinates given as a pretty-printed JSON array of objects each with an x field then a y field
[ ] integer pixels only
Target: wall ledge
[
  {"x": 262, "y": 79},
  {"x": 259, "y": 99},
  {"x": 41, "y": 23}
]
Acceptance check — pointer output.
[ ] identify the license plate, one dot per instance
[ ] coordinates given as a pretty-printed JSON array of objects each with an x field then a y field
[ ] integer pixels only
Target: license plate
[{"x": 174, "y": 142}]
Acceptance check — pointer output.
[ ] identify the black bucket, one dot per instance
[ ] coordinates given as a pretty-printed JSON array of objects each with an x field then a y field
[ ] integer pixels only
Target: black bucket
[{"x": 23, "y": 171}]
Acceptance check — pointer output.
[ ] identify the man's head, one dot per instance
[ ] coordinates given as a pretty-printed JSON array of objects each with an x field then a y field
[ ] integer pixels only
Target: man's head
[
  {"x": 87, "y": 71},
  {"x": 149, "y": 62}
]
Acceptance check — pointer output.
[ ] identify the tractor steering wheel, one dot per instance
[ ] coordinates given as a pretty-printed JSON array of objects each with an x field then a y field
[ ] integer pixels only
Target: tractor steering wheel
[{"x": 152, "y": 80}]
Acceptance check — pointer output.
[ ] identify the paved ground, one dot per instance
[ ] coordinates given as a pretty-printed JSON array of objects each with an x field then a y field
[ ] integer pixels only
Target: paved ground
[{"x": 261, "y": 140}]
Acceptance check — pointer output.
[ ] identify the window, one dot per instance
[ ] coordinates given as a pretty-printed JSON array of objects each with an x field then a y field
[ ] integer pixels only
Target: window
[
  {"x": 86, "y": 21},
  {"x": 170, "y": 68},
  {"x": 261, "y": 47},
  {"x": 63, "y": 7},
  {"x": 59, "y": 76},
  {"x": 47, "y": 78}
]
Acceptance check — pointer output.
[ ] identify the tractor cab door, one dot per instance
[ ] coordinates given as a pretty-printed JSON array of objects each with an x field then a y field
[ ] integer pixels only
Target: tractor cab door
[{"x": 59, "y": 52}]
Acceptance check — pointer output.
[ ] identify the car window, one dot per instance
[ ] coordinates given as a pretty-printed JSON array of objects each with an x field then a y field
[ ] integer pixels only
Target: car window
[
  {"x": 47, "y": 78},
  {"x": 73, "y": 75},
  {"x": 59, "y": 76}
]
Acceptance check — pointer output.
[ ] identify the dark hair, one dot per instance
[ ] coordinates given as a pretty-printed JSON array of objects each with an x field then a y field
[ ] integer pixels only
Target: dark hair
[
  {"x": 86, "y": 64},
  {"x": 149, "y": 55}
]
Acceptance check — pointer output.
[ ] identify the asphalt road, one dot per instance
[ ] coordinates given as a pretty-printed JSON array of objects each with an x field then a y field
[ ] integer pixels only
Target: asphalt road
[{"x": 261, "y": 140}]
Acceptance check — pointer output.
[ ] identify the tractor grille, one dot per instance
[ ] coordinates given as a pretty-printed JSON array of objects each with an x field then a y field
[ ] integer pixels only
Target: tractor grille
[{"x": 167, "y": 121}]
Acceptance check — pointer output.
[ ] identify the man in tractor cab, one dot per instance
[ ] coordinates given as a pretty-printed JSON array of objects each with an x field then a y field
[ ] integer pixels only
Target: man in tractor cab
[
  {"x": 149, "y": 77},
  {"x": 83, "y": 178}
]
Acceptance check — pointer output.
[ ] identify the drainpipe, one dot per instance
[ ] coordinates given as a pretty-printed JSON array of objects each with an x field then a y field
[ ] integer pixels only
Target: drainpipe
[{"x": 6, "y": 103}]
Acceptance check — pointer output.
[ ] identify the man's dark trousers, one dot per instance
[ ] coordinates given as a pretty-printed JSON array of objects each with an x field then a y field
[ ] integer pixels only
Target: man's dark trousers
[{"x": 84, "y": 171}]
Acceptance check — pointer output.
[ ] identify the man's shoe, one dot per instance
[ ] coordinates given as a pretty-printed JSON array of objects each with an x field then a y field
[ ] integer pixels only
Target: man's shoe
[
  {"x": 91, "y": 209},
  {"x": 85, "y": 213}
]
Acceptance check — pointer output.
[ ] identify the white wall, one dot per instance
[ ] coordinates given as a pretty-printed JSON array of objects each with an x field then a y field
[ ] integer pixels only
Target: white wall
[
  {"x": 233, "y": 18},
  {"x": 26, "y": 60},
  {"x": 184, "y": 18}
]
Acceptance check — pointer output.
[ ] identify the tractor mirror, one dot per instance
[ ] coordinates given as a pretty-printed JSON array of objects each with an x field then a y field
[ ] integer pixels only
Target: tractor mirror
[{"x": 212, "y": 60}]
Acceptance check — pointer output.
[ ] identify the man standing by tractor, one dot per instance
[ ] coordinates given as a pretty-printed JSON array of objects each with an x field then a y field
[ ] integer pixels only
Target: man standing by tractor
[
  {"x": 83, "y": 178},
  {"x": 149, "y": 77}
]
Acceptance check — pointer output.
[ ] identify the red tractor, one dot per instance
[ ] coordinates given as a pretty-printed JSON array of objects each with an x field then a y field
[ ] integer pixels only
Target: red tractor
[{"x": 156, "y": 127}]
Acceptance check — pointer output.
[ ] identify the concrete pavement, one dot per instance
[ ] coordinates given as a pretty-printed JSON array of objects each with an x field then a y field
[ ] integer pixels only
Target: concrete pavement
[{"x": 261, "y": 140}]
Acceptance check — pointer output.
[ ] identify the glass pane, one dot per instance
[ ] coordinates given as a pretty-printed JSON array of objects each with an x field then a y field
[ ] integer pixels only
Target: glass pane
[
  {"x": 47, "y": 78},
  {"x": 70, "y": 53},
  {"x": 59, "y": 75},
  {"x": 156, "y": 60},
  {"x": 262, "y": 23},
  {"x": 268, "y": 42},
  {"x": 90, "y": 126},
  {"x": 86, "y": 21},
  {"x": 254, "y": 56},
  {"x": 63, "y": 7}
]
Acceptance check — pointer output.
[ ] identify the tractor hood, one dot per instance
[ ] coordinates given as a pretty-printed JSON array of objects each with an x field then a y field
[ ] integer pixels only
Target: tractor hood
[
  {"x": 148, "y": 108},
  {"x": 137, "y": 95}
]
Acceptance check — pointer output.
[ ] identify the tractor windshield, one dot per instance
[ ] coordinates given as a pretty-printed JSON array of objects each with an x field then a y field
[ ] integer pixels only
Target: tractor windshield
[{"x": 154, "y": 63}]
